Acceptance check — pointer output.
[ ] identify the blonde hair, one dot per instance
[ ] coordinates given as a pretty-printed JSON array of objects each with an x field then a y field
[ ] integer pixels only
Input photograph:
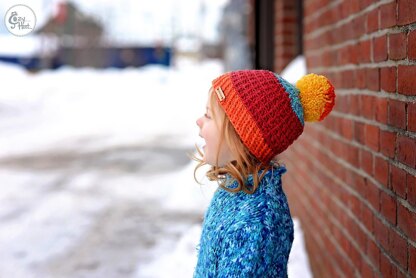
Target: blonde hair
[{"x": 245, "y": 163}]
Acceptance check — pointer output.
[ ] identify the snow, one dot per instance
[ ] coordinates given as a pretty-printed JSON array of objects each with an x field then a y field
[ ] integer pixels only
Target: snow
[
  {"x": 54, "y": 106},
  {"x": 87, "y": 185},
  {"x": 294, "y": 70}
]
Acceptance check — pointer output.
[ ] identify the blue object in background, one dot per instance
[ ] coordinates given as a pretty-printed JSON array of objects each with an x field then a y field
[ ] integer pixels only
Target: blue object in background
[
  {"x": 138, "y": 56},
  {"x": 115, "y": 57}
]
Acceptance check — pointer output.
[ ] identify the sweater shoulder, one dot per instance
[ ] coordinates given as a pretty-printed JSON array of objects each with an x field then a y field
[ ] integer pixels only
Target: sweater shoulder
[{"x": 266, "y": 206}]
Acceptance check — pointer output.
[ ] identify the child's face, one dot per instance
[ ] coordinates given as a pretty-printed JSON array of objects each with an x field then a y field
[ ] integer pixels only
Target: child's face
[{"x": 210, "y": 131}]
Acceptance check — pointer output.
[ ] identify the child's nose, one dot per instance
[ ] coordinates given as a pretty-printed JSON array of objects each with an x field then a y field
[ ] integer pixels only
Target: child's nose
[{"x": 199, "y": 122}]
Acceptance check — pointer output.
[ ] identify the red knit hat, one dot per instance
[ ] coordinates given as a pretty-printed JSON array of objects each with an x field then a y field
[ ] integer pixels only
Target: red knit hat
[{"x": 268, "y": 112}]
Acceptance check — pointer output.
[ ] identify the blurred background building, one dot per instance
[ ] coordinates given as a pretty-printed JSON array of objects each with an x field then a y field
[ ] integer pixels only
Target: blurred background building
[
  {"x": 81, "y": 43},
  {"x": 104, "y": 34}
]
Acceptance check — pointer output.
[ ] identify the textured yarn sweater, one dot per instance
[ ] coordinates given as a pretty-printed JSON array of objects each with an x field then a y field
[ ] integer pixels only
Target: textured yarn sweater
[{"x": 247, "y": 235}]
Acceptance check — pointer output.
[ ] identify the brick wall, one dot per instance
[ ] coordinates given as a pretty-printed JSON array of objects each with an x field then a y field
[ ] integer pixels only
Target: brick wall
[
  {"x": 352, "y": 178},
  {"x": 286, "y": 33}
]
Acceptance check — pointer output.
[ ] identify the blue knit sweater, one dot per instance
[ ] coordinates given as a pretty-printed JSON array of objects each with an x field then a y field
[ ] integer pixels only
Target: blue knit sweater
[{"x": 247, "y": 235}]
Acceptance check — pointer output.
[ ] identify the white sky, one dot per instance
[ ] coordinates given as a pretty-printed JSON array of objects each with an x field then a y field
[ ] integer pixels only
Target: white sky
[{"x": 139, "y": 20}]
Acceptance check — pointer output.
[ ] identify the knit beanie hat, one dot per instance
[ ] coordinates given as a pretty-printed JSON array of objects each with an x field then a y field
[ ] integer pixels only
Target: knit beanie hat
[{"x": 267, "y": 112}]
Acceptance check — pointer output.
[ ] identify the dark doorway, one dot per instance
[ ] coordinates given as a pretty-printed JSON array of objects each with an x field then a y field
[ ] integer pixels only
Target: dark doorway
[
  {"x": 300, "y": 27},
  {"x": 264, "y": 46}
]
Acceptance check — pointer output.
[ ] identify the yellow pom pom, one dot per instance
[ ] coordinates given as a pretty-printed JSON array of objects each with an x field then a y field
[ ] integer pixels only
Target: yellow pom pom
[{"x": 316, "y": 95}]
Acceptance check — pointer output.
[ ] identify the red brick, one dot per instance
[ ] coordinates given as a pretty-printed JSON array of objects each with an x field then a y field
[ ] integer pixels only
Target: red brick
[
  {"x": 412, "y": 259},
  {"x": 353, "y": 54},
  {"x": 381, "y": 232},
  {"x": 337, "y": 147},
  {"x": 348, "y": 79},
  {"x": 366, "y": 270},
  {"x": 369, "y": 2},
  {"x": 358, "y": 182},
  {"x": 333, "y": 57},
  {"x": 354, "y": 107},
  {"x": 360, "y": 80},
  {"x": 372, "y": 138},
  {"x": 366, "y": 161},
  {"x": 343, "y": 55},
  {"x": 359, "y": 132},
  {"x": 406, "y": 150},
  {"x": 355, "y": 206},
  {"x": 401, "y": 274},
  {"x": 381, "y": 110},
  {"x": 339, "y": 34},
  {"x": 397, "y": 114},
  {"x": 373, "y": 79},
  {"x": 311, "y": 60},
  {"x": 346, "y": 268},
  {"x": 381, "y": 171},
  {"x": 367, "y": 217},
  {"x": 406, "y": 79},
  {"x": 406, "y": 221},
  {"x": 359, "y": 25},
  {"x": 411, "y": 189},
  {"x": 398, "y": 181},
  {"x": 364, "y": 54},
  {"x": 336, "y": 79},
  {"x": 364, "y": 4},
  {"x": 327, "y": 59},
  {"x": 327, "y": 17},
  {"x": 386, "y": 267},
  {"x": 349, "y": 32},
  {"x": 373, "y": 253},
  {"x": 388, "y": 79},
  {"x": 387, "y": 143},
  {"x": 388, "y": 15},
  {"x": 347, "y": 129},
  {"x": 344, "y": 243},
  {"x": 411, "y": 117},
  {"x": 355, "y": 256},
  {"x": 398, "y": 248},
  {"x": 411, "y": 40},
  {"x": 342, "y": 103},
  {"x": 388, "y": 207},
  {"x": 372, "y": 21},
  {"x": 372, "y": 194},
  {"x": 397, "y": 46},
  {"x": 352, "y": 155},
  {"x": 344, "y": 198},
  {"x": 367, "y": 106},
  {"x": 355, "y": 6},
  {"x": 407, "y": 12},
  {"x": 380, "y": 49},
  {"x": 288, "y": 19}
]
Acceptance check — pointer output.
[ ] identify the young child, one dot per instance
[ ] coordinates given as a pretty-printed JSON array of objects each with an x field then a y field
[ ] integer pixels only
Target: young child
[{"x": 252, "y": 116}]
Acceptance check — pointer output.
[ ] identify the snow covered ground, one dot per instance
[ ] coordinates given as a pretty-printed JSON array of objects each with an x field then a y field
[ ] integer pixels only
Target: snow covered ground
[{"x": 94, "y": 176}]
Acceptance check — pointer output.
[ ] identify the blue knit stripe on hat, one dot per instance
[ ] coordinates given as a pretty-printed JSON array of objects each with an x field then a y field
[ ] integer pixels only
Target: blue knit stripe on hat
[{"x": 294, "y": 97}]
